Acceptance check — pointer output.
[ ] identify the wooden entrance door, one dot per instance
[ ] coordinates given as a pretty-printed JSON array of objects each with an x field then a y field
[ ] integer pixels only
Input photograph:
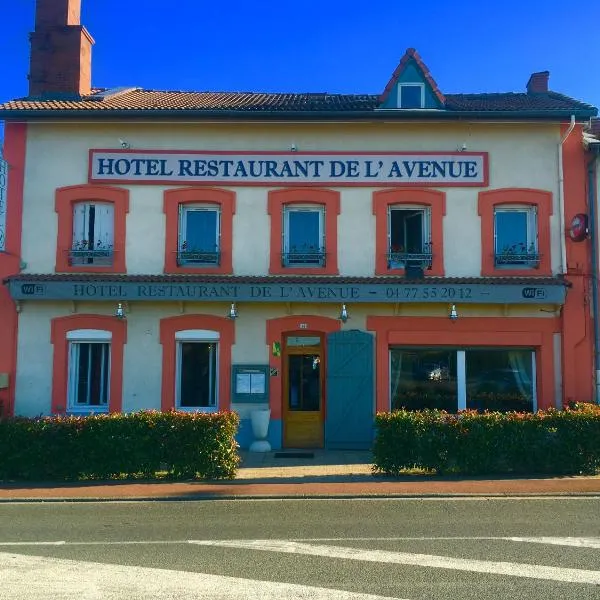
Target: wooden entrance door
[{"x": 303, "y": 396}]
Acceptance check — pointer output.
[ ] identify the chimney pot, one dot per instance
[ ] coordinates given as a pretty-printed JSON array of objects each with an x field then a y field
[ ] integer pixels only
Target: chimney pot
[{"x": 538, "y": 82}]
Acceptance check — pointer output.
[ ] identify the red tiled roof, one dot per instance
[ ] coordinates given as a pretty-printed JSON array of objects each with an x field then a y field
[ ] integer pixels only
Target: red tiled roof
[
  {"x": 134, "y": 99},
  {"x": 300, "y": 279},
  {"x": 411, "y": 53}
]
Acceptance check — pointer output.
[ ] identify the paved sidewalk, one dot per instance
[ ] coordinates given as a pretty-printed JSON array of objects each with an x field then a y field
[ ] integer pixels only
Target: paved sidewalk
[{"x": 324, "y": 474}]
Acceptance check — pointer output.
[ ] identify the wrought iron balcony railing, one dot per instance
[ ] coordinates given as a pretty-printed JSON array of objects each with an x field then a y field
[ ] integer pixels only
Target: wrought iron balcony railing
[
  {"x": 309, "y": 257},
  {"x": 100, "y": 257},
  {"x": 400, "y": 259},
  {"x": 527, "y": 259},
  {"x": 198, "y": 257}
]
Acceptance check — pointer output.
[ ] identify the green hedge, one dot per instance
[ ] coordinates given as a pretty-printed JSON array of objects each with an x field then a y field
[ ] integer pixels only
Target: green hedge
[
  {"x": 470, "y": 443},
  {"x": 143, "y": 444}
]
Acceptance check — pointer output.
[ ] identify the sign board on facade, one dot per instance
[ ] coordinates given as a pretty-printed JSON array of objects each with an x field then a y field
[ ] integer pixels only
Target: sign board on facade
[
  {"x": 426, "y": 292},
  {"x": 3, "y": 192},
  {"x": 250, "y": 383},
  {"x": 284, "y": 168}
]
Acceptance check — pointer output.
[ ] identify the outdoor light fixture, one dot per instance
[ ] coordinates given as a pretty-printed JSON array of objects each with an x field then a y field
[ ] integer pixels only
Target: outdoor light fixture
[
  {"x": 120, "y": 311},
  {"x": 233, "y": 312},
  {"x": 453, "y": 313},
  {"x": 343, "y": 314}
]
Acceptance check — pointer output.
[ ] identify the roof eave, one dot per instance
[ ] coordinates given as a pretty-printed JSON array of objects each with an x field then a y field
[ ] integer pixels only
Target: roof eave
[{"x": 379, "y": 114}]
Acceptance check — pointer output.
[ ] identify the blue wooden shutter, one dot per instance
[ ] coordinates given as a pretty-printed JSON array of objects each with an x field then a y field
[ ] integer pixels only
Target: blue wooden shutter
[{"x": 350, "y": 393}]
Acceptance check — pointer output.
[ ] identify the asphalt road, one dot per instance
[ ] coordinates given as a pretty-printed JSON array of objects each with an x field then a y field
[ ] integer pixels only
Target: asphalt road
[{"x": 463, "y": 548}]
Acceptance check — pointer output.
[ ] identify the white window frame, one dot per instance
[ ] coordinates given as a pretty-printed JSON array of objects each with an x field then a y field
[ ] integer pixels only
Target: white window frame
[
  {"x": 201, "y": 336},
  {"x": 294, "y": 208},
  {"x": 426, "y": 233},
  {"x": 182, "y": 225},
  {"x": 419, "y": 85},
  {"x": 76, "y": 337},
  {"x": 461, "y": 373},
  {"x": 532, "y": 231}
]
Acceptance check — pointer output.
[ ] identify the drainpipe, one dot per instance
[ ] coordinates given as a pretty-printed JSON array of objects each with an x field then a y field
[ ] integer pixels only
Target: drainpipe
[
  {"x": 593, "y": 228},
  {"x": 561, "y": 198}
]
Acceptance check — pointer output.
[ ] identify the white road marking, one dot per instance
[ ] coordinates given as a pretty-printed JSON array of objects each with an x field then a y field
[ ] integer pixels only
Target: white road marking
[
  {"x": 580, "y": 542},
  {"x": 39, "y": 578},
  {"x": 418, "y": 560}
]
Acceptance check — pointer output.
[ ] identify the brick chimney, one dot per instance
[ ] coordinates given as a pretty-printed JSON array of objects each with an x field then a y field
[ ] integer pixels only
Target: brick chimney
[
  {"x": 538, "y": 82},
  {"x": 61, "y": 51}
]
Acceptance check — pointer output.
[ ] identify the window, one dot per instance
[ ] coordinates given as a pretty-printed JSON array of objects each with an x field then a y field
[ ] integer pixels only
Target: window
[
  {"x": 93, "y": 234},
  {"x": 409, "y": 239},
  {"x": 515, "y": 231},
  {"x": 453, "y": 379},
  {"x": 91, "y": 228},
  {"x": 409, "y": 231},
  {"x": 199, "y": 235},
  {"x": 197, "y": 375},
  {"x": 89, "y": 368},
  {"x": 304, "y": 231},
  {"x": 199, "y": 230},
  {"x": 411, "y": 95},
  {"x": 196, "y": 364},
  {"x": 515, "y": 237},
  {"x": 303, "y": 237}
]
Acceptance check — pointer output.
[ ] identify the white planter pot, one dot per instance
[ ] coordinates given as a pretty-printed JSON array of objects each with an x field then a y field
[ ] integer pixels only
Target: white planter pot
[{"x": 260, "y": 429}]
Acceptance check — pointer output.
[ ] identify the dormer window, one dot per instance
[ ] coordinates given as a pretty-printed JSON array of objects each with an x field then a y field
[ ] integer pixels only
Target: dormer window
[{"x": 411, "y": 95}]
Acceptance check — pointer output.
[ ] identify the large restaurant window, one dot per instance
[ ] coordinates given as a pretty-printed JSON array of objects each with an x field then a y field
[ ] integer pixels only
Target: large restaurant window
[{"x": 453, "y": 379}]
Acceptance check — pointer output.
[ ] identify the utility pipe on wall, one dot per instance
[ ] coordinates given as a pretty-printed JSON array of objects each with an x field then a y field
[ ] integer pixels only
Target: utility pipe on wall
[
  {"x": 561, "y": 198},
  {"x": 593, "y": 229}
]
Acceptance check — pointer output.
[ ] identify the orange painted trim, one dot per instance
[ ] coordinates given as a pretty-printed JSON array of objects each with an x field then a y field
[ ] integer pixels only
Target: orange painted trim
[
  {"x": 66, "y": 198},
  {"x": 578, "y": 349},
  {"x": 15, "y": 146},
  {"x": 278, "y": 200},
  {"x": 292, "y": 155},
  {"x": 488, "y": 200},
  {"x": 169, "y": 327},
  {"x": 432, "y": 199},
  {"x": 292, "y": 325},
  {"x": 225, "y": 199},
  {"x": 481, "y": 331},
  {"x": 60, "y": 365}
]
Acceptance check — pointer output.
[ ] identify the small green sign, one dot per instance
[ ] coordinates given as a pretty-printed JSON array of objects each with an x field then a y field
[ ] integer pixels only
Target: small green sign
[{"x": 276, "y": 349}]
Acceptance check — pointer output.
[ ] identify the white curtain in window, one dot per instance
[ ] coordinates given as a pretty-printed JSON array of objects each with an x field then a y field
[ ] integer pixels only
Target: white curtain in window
[{"x": 520, "y": 363}]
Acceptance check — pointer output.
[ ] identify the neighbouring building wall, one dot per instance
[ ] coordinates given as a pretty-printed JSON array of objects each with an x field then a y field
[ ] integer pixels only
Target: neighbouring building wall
[{"x": 10, "y": 259}]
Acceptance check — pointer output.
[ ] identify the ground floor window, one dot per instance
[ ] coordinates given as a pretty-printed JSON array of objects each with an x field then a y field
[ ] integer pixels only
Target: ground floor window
[
  {"x": 89, "y": 371},
  {"x": 197, "y": 369},
  {"x": 500, "y": 379}
]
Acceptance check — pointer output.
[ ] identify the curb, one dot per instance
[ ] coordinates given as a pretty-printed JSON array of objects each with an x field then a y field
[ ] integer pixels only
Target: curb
[{"x": 201, "y": 497}]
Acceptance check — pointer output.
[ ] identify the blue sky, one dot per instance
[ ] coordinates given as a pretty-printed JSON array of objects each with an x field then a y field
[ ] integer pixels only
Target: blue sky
[{"x": 341, "y": 46}]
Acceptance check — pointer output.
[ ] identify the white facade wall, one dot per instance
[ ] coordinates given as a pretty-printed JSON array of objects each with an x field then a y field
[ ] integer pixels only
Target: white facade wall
[
  {"x": 142, "y": 362},
  {"x": 520, "y": 155}
]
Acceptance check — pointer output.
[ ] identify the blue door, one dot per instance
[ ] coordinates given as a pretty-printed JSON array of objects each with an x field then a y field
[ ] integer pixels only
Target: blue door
[{"x": 349, "y": 390}]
